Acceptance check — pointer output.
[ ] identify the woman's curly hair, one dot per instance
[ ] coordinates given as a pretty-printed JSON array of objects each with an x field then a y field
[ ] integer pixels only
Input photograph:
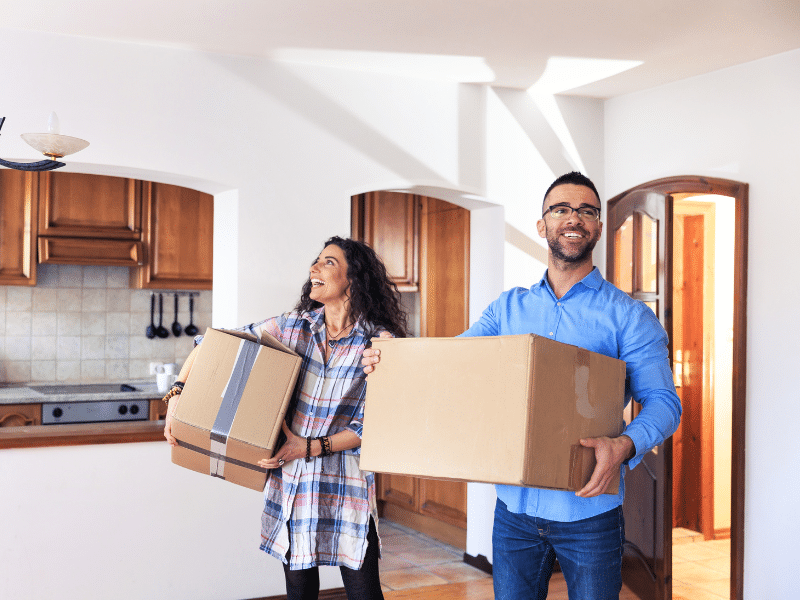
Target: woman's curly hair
[{"x": 374, "y": 298}]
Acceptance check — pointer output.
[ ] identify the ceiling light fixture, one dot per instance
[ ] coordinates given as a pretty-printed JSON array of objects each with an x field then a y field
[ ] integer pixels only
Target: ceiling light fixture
[{"x": 52, "y": 144}]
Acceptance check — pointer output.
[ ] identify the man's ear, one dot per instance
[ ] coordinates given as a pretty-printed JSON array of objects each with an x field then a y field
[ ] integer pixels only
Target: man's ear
[{"x": 540, "y": 227}]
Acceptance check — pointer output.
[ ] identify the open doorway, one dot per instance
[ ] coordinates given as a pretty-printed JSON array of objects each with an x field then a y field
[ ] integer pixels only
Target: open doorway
[
  {"x": 702, "y": 355},
  {"x": 640, "y": 260}
]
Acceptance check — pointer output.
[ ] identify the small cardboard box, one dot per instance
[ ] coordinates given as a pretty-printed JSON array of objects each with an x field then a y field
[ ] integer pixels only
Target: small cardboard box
[
  {"x": 506, "y": 409},
  {"x": 229, "y": 414}
]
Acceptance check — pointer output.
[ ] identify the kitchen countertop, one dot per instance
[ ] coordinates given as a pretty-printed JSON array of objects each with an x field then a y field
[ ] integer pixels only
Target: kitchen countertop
[{"x": 25, "y": 394}]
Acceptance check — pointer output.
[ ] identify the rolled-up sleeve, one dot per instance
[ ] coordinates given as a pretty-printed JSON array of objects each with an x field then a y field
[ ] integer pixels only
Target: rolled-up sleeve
[{"x": 643, "y": 347}]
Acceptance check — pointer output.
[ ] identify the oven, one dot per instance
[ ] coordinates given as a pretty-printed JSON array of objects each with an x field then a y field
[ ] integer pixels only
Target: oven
[{"x": 115, "y": 407}]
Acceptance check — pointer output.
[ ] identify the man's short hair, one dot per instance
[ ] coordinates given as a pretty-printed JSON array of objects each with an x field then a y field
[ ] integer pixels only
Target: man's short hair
[{"x": 575, "y": 178}]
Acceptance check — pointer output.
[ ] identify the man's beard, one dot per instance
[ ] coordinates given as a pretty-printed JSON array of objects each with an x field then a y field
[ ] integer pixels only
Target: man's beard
[{"x": 560, "y": 253}]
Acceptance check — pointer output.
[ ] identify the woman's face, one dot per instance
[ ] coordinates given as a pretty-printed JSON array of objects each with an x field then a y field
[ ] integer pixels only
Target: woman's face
[{"x": 328, "y": 275}]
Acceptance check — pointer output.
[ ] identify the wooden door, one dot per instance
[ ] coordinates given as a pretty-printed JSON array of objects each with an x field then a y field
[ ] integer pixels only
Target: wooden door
[
  {"x": 18, "y": 213},
  {"x": 638, "y": 262}
]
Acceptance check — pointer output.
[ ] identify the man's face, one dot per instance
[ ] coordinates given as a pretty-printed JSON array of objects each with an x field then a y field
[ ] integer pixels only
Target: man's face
[{"x": 572, "y": 239}]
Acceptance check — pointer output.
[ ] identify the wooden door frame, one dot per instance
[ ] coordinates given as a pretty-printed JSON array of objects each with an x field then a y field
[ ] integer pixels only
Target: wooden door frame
[{"x": 739, "y": 192}]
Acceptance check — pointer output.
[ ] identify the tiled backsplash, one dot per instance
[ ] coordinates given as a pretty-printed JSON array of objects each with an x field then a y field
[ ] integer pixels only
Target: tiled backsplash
[{"x": 85, "y": 324}]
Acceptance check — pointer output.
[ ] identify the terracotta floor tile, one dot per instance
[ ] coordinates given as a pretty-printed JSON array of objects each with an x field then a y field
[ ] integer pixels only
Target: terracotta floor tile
[
  {"x": 722, "y": 564},
  {"x": 459, "y": 571},
  {"x": 694, "y": 573},
  {"x": 392, "y": 562},
  {"x": 432, "y": 555},
  {"x": 696, "y": 551},
  {"x": 410, "y": 578}
]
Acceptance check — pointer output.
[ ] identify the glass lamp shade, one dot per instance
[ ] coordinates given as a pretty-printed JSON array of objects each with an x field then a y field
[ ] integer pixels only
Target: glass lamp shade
[{"x": 54, "y": 145}]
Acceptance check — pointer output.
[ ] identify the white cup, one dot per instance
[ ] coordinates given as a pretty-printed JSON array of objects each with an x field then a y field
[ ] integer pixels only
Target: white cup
[
  {"x": 170, "y": 368},
  {"x": 164, "y": 381}
]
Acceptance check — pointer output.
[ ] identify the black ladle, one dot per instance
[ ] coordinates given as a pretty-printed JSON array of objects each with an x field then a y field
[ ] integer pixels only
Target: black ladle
[
  {"x": 161, "y": 331},
  {"x": 190, "y": 328},
  {"x": 176, "y": 327},
  {"x": 150, "y": 332}
]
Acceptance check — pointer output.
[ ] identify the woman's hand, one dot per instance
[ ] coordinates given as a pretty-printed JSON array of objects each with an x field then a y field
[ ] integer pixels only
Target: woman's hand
[
  {"x": 372, "y": 356},
  {"x": 294, "y": 447},
  {"x": 168, "y": 429}
]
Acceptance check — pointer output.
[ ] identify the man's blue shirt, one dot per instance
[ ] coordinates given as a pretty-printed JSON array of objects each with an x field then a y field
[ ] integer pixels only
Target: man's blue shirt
[{"x": 597, "y": 316}]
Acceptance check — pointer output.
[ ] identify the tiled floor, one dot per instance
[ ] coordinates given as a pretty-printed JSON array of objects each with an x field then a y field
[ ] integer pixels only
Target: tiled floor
[
  {"x": 700, "y": 569},
  {"x": 412, "y": 560}
]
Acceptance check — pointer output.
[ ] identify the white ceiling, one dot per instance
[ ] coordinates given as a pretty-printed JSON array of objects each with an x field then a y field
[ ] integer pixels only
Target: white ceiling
[{"x": 502, "y": 42}]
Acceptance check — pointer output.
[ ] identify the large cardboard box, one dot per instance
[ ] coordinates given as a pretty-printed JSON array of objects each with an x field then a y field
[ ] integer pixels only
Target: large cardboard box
[
  {"x": 229, "y": 414},
  {"x": 505, "y": 409}
]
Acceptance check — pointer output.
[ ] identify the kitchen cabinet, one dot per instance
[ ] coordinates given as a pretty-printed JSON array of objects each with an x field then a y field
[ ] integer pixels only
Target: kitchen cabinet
[
  {"x": 90, "y": 219},
  {"x": 18, "y": 214},
  {"x": 178, "y": 239},
  {"x": 20, "y": 415},
  {"x": 441, "y": 244},
  {"x": 389, "y": 222}
]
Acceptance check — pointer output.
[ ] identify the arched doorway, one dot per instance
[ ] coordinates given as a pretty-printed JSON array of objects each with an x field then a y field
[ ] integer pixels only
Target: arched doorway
[{"x": 646, "y": 253}]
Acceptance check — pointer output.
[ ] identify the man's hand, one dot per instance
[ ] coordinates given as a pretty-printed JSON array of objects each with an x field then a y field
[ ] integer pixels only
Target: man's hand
[
  {"x": 372, "y": 356},
  {"x": 610, "y": 453}
]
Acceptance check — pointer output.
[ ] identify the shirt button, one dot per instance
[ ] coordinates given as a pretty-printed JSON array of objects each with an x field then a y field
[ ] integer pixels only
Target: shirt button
[
  {"x": 551, "y": 333},
  {"x": 558, "y": 303}
]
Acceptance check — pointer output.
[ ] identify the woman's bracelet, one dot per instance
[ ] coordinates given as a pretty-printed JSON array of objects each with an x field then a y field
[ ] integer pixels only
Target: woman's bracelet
[
  {"x": 175, "y": 390},
  {"x": 308, "y": 449}
]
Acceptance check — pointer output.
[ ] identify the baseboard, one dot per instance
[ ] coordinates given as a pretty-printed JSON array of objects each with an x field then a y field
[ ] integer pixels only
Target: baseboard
[
  {"x": 722, "y": 534},
  {"x": 479, "y": 562},
  {"x": 331, "y": 594}
]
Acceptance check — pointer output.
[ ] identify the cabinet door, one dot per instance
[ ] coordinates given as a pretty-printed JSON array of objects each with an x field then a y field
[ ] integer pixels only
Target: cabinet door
[
  {"x": 18, "y": 211},
  {"x": 389, "y": 222},
  {"x": 89, "y": 206},
  {"x": 179, "y": 239},
  {"x": 20, "y": 415}
]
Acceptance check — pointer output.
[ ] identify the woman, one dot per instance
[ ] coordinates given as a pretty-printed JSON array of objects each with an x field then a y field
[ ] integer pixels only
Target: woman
[{"x": 320, "y": 508}]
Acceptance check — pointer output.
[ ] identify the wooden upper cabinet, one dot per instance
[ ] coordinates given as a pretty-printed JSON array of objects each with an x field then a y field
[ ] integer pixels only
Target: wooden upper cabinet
[
  {"x": 90, "y": 206},
  {"x": 178, "y": 239},
  {"x": 18, "y": 213},
  {"x": 389, "y": 222},
  {"x": 90, "y": 220}
]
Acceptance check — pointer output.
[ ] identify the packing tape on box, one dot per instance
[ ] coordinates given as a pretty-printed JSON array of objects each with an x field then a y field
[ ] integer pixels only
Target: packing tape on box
[{"x": 231, "y": 396}]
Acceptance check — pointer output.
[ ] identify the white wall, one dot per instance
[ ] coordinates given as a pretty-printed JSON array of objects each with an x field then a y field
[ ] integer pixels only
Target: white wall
[{"x": 741, "y": 123}]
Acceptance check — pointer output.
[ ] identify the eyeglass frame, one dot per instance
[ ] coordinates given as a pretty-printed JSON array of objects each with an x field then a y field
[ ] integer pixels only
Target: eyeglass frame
[{"x": 595, "y": 209}]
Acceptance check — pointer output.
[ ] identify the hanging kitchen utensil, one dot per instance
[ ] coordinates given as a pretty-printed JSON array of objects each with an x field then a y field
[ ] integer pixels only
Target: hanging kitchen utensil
[
  {"x": 161, "y": 331},
  {"x": 150, "y": 332},
  {"x": 190, "y": 328},
  {"x": 176, "y": 327}
]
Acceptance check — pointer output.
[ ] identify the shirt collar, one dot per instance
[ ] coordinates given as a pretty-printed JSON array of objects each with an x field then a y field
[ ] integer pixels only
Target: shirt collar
[
  {"x": 593, "y": 280},
  {"x": 317, "y": 319}
]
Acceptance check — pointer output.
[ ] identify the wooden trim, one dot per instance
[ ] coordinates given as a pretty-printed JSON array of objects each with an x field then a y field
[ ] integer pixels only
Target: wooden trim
[{"x": 39, "y": 436}]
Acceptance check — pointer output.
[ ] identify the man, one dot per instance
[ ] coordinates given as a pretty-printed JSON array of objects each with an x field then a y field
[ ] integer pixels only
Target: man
[{"x": 572, "y": 303}]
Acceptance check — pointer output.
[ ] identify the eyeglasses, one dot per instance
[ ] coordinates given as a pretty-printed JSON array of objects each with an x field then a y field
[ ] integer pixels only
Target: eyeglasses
[{"x": 561, "y": 212}]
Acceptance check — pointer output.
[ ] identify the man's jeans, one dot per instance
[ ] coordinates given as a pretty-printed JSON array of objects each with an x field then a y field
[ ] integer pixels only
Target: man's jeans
[{"x": 589, "y": 552}]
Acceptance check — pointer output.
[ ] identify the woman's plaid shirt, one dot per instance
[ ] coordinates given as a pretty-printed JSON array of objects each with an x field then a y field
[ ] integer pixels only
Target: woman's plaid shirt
[{"x": 320, "y": 518}]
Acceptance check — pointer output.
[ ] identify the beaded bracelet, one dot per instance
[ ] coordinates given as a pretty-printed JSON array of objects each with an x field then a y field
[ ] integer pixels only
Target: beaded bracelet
[
  {"x": 308, "y": 449},
  {"x": 175, "y": 390}
]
